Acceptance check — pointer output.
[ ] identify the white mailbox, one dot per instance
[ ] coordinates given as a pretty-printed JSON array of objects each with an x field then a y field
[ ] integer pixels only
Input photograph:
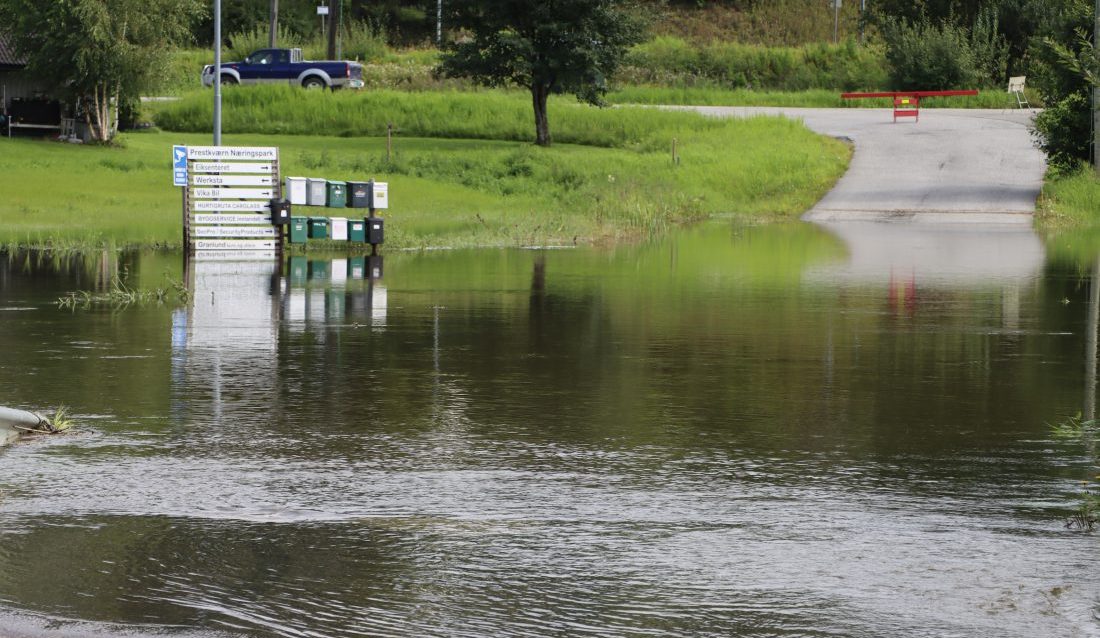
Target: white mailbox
[
  {"x": 296, "y": 191},
  {"x": 339, "y": 228},
  {"x": 318, "y": 192},
  {"x": 379, "y": 195},
  {"x": 339, "y": 271}
]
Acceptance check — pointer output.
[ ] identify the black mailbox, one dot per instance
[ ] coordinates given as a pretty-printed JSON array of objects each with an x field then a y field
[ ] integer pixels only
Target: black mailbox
[
  {"x": 374, "y": 267},
  {"x": 280, "y": 212},
  {"x": 375, "y": 230},
  {"x": 359, "y": 194}
]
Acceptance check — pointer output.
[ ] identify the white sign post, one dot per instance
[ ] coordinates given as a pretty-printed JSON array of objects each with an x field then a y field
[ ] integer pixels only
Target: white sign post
[{"x": 227, "y": 196}]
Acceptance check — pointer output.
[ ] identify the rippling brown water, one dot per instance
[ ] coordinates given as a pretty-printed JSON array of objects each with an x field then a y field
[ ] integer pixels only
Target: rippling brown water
[{"x": 782, "y": 431}]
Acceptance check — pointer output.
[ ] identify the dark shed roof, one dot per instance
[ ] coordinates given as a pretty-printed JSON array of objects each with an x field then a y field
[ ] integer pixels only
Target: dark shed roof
[{"x": 8, "y": 57}]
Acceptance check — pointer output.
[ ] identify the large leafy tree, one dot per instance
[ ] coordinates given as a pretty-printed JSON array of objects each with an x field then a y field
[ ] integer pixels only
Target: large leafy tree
[
  {"x": 98, "y": 52},
  {"x": 547, "y": 46}
]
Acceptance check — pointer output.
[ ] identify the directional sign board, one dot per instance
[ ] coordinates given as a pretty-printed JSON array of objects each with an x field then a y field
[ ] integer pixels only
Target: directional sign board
[
  {"x": 227, "y": 196},
  {"x": 231, "y": 180}
]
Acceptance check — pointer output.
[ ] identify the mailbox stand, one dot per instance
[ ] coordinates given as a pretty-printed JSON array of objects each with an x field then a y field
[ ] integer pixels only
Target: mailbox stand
[{"x": 906, "y": 103}]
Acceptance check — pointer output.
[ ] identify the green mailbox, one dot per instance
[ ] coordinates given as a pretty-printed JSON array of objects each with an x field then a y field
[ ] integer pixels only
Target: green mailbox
[
  {"x": 357, "y": 231},
  {"x": 319, "y": 269},
  {"x": 318, "y": 227},
  {"x": 298, "y": 230},
  {"x": 357, "y": 268},
  {"x": 337, "y": 194}
]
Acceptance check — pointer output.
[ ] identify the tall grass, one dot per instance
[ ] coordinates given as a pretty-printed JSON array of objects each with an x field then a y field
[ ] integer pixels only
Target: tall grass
[
  {"x": 280, "y": 110},
  {"x": 772, "y": 22},
  {"x": 1071, "y": 199},
  {"x": 358, "y": 41},
  {"x": 671, "y": 61}
]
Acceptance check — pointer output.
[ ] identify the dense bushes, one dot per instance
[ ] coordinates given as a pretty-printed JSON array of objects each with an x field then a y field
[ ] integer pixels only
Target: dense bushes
[
  {"x": 670, "y": 61},
  {"x": 935, "y": 56},
  {"x": 1064, "y": 130}
]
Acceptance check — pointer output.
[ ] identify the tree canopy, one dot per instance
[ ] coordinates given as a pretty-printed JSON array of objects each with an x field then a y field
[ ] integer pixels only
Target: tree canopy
[
  {"x": 549, "y": 46},
  {"x": 98, "y": 52}
]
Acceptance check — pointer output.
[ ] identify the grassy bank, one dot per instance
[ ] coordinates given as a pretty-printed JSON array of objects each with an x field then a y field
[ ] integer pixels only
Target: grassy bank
[
  {"x": 1071, "y": 200},
  {"x": 1069, "y": 216},
  {"x": 461, "y": 172}
]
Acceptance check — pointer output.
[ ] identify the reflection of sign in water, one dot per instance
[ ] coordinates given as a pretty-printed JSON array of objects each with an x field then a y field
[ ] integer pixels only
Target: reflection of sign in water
[
  {"x": 227, "y": 339},
  {"x": 232, "y": 188}
]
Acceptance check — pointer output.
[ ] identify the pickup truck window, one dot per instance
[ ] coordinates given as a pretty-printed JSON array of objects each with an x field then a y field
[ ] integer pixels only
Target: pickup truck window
[{"x": 271, "y": 56}]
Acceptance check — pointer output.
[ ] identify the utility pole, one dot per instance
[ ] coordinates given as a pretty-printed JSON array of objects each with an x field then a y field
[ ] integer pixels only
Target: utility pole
[
  {"x": 217, "y": 73},
  {"x": 862, "y": 18},
  {"x": 836, "y": 20},
  {"x": 272, "y": 40},
  {"x": 332, "y": 29}
]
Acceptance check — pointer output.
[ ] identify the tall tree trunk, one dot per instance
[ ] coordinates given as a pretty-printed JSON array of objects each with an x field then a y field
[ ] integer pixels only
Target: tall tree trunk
[
  {"x": 99, "y": 113},
  {"x": 539, "y": 93},
  {"x": 116, "y": 104}
]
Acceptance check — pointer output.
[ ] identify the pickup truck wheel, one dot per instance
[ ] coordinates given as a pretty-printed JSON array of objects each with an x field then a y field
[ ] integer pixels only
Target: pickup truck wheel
[
  {"x": 313, "y": 82},
  {"x": 228, "y": 80}
]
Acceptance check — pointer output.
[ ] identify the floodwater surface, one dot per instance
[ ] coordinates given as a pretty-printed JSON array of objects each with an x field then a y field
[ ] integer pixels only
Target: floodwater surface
[{"x": 838, "y": 430}]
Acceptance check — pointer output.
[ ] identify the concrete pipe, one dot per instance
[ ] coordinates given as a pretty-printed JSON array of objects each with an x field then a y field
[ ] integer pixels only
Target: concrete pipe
[{"x": 14, "y": 423}]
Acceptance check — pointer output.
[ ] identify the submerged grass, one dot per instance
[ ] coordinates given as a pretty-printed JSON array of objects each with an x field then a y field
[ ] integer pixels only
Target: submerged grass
[
  {"x": 617, "y": 180},
  {"x": 120, "y": 294},
  {"x": 1086, "y": 432}
]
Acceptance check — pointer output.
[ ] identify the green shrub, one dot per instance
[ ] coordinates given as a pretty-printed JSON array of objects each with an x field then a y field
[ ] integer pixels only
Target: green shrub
[
  {"x": 930, "y": 57},
  {"x": 1064, "y": 132}
]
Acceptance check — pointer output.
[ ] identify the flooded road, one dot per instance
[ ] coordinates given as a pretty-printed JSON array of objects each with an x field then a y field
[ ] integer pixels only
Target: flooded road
[{"x": 839, "y": 430}]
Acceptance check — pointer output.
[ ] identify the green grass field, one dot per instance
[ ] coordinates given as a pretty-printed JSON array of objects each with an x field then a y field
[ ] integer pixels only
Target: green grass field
[{"x": 459, "y": 174}]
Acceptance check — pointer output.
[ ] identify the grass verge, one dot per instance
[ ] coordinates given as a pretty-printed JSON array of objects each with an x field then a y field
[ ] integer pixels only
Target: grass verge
[
  {"x": 465, "y": 180},
  {"x": 1069, "y": 215},
  {"x": 1071, "y": 199}
]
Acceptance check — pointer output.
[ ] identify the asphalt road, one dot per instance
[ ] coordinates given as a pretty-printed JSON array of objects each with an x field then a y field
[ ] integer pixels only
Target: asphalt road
[{"x": 955, "y": 165}]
